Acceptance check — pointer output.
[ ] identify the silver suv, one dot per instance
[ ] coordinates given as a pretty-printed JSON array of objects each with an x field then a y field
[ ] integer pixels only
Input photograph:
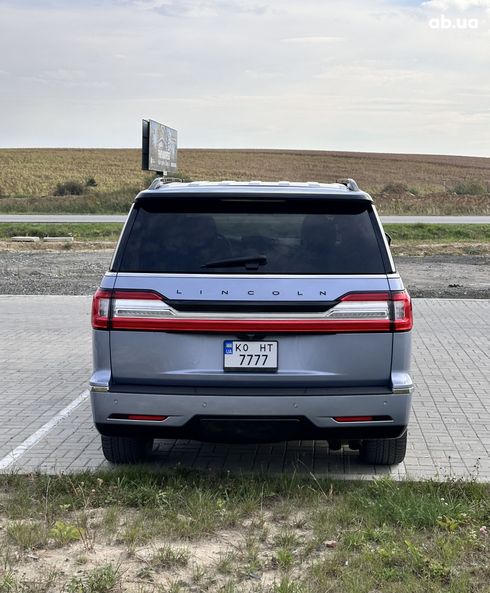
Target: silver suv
[{"x": 252, "y": 312}]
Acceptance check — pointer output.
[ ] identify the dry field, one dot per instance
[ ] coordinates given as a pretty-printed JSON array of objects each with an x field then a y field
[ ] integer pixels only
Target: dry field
[
  {"x": 421, "y": 174},
  {"x": 35, "y": 172},
  {"x": 420, "y": 184}
]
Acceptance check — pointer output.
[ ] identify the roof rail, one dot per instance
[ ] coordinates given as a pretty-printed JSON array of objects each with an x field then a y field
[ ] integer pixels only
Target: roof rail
[
  {"x": 349, "y": 183},
  {"x": 159, "y": 181}
]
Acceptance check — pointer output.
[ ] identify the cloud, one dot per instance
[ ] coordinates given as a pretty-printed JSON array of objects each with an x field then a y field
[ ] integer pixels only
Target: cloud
[
  {"x": 64, "y": 75},
  {"x": 456, "y": 4},
  {"x": 201, "y": 8},
  {"x": 373, "y": 73},
  {"x": 261, "y": 74},
  {"x": 343, "y": 74},
  {"x": 311, "y": 40}
]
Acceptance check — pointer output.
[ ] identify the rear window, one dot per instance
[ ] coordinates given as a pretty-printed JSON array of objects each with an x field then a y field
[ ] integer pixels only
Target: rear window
[{"x": 251, "y": 236}]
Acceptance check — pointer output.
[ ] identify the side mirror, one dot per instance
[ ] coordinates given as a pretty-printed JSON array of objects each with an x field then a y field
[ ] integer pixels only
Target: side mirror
[{"x": 388, "y": 238}]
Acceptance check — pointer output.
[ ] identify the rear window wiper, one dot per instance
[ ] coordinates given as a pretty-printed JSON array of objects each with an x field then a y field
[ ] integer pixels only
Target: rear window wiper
[{"x": 251, "y": 262}]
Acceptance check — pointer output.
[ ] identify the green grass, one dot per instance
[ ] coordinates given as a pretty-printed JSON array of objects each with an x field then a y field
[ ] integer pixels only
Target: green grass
[
  {"x": 100, "y": 580},
  {"x": 80, "y": 231},
  {"x": 285, "y": 533},
  {"x": 400, "y": 233},
  {"x": 439, "y": 233},
  {"x": 27, "y": 535},
  {"x": 407, "y": 239},
  {"x": 166, "y": 557}
]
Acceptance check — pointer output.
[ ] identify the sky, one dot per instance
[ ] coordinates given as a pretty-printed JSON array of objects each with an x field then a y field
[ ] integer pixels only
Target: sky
[{"x": 407, "y": 76}]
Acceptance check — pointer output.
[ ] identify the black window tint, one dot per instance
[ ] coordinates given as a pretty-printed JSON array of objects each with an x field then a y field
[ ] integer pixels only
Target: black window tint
[{"x": 296, "y": 237}]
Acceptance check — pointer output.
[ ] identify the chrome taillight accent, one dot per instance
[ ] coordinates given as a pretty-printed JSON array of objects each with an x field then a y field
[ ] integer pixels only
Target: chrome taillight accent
[
  {"x": 141, "y": 308},
  {"x": 360, "y": 310}
]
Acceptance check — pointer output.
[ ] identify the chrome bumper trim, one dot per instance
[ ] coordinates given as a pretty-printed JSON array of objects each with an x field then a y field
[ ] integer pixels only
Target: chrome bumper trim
[
  {"x": 99, "y": 388},
  {"x": 403, "y": 390}
]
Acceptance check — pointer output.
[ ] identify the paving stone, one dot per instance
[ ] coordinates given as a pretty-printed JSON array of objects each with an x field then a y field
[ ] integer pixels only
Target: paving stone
[{"x": 45, "y": 361}]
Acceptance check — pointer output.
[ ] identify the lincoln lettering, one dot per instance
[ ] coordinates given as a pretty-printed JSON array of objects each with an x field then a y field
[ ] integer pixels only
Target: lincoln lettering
[{"x": 227, "y": 292}]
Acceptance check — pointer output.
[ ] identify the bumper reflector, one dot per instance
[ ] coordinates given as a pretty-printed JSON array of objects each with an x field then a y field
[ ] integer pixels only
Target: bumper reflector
[
  {"x": 353, "y": 419},
  {"x": 138, "y": 417},
  {"x": 363, "y": 418}
]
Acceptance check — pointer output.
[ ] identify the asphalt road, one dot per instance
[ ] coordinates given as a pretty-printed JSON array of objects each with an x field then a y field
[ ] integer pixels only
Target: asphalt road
[{"x": 71, "y": 218}]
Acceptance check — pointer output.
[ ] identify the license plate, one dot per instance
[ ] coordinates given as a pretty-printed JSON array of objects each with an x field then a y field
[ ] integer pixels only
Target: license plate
[{"x": 250, "y": 356}]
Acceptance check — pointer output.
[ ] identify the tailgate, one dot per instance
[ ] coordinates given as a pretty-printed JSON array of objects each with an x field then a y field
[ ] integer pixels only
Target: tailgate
[{"x": 187, "y": 349}]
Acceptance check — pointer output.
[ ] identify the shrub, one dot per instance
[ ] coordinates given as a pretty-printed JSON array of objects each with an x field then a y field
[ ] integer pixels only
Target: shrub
[
  {"x": 470, "y": 187},
  {"x": 394, "y": 187},
  {"x": 102, "y": 579},
  {"x": 90, "y": 182},
  {"x": 27, "y": 535},
  {"x": 167, "y": 557},
  {"x": 64, "y": 533},
  {"x": 69, "y": 188}
]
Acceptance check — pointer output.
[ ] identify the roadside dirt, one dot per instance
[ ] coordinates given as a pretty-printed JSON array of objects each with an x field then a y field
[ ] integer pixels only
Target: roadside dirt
[
  {"x": 206, "y": 563},
  {"x": 449, "y": 276},
  {"x": 79, "y": 272}
]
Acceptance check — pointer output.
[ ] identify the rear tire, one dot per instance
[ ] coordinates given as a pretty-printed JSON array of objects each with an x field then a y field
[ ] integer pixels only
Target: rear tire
[
  {"x": 384, "y": 451},
  {"x": 126, "y": 450}
]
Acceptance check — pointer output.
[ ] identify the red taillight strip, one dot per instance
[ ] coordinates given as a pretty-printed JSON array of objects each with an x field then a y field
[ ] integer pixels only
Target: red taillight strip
[
  {"x": 252, "y": 325},
  {"x": 366, "y": 296},
  {"x": 146, "y": 295}
]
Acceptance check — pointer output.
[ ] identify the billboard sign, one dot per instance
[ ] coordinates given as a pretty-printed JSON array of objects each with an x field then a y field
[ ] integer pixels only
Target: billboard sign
[{"x": 159, "y": 147}]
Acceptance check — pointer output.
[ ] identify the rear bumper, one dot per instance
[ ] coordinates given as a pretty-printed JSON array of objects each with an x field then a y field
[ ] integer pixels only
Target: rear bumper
[{"x": 258, "y": 417}]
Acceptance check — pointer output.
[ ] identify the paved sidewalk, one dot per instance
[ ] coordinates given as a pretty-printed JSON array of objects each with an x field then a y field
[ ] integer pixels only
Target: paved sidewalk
[{"x": 45, "y": 358}]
